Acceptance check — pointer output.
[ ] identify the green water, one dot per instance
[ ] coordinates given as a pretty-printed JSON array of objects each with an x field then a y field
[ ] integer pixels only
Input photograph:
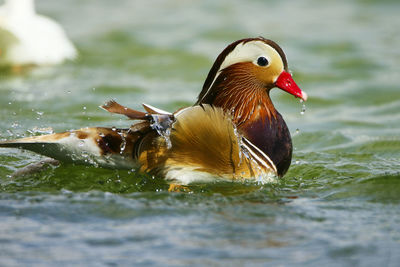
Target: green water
[{"x": 337, "y": 205}]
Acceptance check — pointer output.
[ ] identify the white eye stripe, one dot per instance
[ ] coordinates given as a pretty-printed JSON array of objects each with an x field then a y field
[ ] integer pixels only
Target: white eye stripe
[{"x": 247, "y": 52}]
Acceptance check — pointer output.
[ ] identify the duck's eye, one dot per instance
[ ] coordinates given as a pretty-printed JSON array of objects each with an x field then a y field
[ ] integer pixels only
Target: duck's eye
[{"x": 262, "y": 61}]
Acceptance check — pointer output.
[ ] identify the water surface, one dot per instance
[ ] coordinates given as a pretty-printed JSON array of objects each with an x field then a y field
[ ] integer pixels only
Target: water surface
[{"x": 337, "y": 205}]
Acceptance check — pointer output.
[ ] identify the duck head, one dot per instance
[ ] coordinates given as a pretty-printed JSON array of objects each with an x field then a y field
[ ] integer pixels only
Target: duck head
[{"x": 243, "y": 75}]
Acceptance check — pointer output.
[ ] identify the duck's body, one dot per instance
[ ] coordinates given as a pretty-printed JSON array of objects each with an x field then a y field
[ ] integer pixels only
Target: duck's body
[
  {"x": 197, "y": 144},
  {"x": 30, "y": 39},
  {"x": 233, "y": 132}
]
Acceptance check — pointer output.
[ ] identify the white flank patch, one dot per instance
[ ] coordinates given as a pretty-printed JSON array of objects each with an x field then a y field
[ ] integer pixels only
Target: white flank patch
[
  {"x": 187, "y": 175},
  {"x": 74, "y": 143},
  {"x": 87, "y": 151}
]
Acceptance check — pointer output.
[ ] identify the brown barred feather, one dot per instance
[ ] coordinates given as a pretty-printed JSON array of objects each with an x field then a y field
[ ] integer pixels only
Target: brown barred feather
[{"x": 114, "y": 107}]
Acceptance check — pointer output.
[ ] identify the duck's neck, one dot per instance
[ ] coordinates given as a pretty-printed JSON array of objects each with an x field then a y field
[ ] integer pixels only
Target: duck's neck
[
  {"x": 254, "y": 115},
  {"x": 240, "y": 94}
]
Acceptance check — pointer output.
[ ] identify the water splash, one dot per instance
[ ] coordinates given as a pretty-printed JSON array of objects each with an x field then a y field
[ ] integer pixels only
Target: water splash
[
  {"x": 162, "y": 124},
  {"x": 261, "y": 177},
  {"x": 240, "y": 143},
  {"x": 41, "y": 130},
  {"x": 123, "y": 143}
]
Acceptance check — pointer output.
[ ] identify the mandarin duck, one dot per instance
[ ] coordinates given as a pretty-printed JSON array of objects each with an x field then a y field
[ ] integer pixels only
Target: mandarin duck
[
  {"x": 233, "y": 132},
  {"x": 27, "y": 38}
]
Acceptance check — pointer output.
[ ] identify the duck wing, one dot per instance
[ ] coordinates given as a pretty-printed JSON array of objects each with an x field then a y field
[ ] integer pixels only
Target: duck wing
[{"x": 106, "y": 147}]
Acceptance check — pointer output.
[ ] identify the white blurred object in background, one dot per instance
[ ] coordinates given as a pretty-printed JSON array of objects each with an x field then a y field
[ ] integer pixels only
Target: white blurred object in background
[{"x": 27, "y": 38}]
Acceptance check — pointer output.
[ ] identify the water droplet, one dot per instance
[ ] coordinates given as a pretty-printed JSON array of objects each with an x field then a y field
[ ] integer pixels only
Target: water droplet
[
  {"x": 297, "y": 131},
  {"x": 9, "y": 103},
  {"x": 297, "y": 161},
  {"x": 303, "y": 107},
  {"x": 123, "y": 143},
  {"x": 113, "y": 129},
  {"x": 84, "y": 108},
  {"x": 40, "y": 114},
  {"x": 68, "y": 92}
]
